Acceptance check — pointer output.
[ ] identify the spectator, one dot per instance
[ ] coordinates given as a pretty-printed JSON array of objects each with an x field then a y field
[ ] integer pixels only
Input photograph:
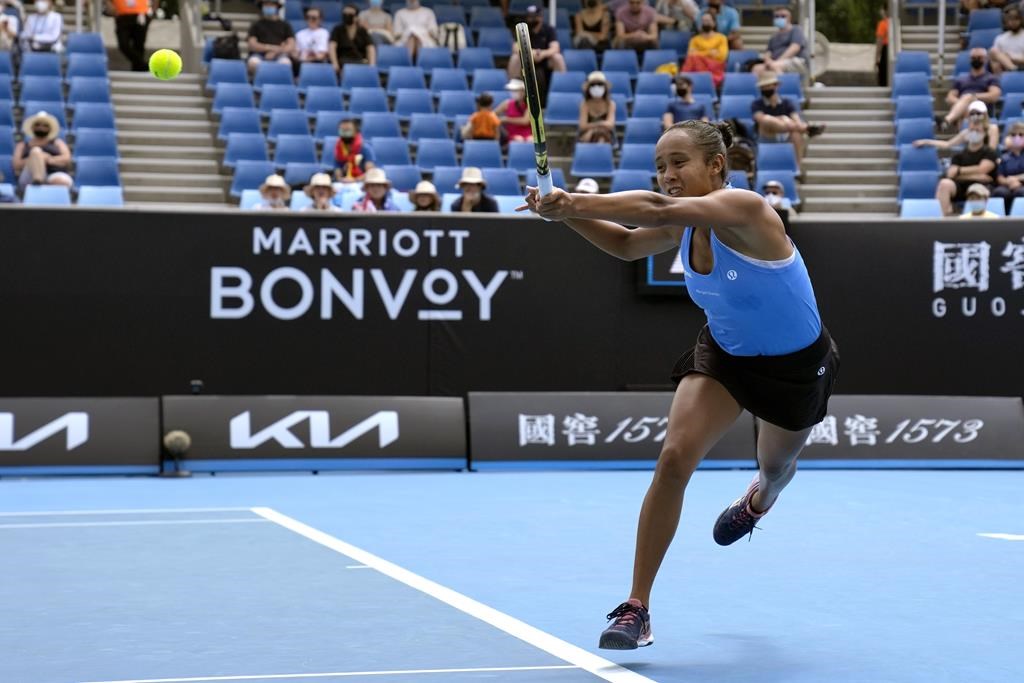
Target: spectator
[
  {"x": 43, "y": 29},
  {"x": 636, "y": 26},
  {"x": 1007, "y": 53},
  {"x": 483, "y": 124},
  {"x": 882, "y": 48},
  {"x": 777, "y": 118},
  {"x": 425, "y": 197},
  {"x": 968, "y": 6},
  {"x": 131, "y": 24},
  {"x": 708, "y": 50},
  {"x": 350, "y": 42},
  {"x": 587, "y": 186},
  {"x": 514, "y": 114},
  {"x": 683, "y": 107},
  {"x": 976, "y": 205},
  {"x": 597, "y": 110},
  {"x": 679, "y": 15},
  {"x": 377, "y": 193},
  {"x": 593, "y": 27},
  {"x": 978, "y": 126},
  {"x": 728, "y": 20},
  {"x": 311, "y": 43},
  {"x": 321, "y": 191},
  {"x": 270, "y": 38},
  {"x": 976, "y": 163},
  {"x": 775, "y": 194},
  {"x": 10, "y": 25},
  {"x": 353, "y": 156},
  {"x": 787, "y": 48},
  {"x": 42, "y": 157},
  {"x": 1010, "y": 175},
  {"x": 473, "y": 198},
  {"x": 415, "y": 27},
  {"x": 274, "y": 193},
  {"x": 977, "y": 84},
  {"x": 377, "y": 21},
  {"x": 547, "y": 53}
]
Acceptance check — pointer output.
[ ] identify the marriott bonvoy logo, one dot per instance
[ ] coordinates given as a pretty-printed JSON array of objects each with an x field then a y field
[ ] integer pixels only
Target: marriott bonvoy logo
[{"x": 293, "y": 291}]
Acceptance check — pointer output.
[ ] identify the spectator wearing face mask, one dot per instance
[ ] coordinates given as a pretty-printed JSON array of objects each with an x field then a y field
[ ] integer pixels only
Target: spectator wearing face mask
[
  {"x": 976, "y": 85},
  {"x": 593, "y": 27},
  {"x": 377, "y": 193},
  {"x": 377, "y": 21},
  {"x": 350, "y": 42},
  {"x": 514, "y": 114},
  {"x": 43, "y": 29},
  {"x": 10, "y": 25},
  {"x": 270, "y": 39},
  {"x": 728, "y": 22},
  {"x": 473, "y": 198},
  {"x": 1010, "y": 173},
  {"x": 777, "y": 118},
  {"x": 131, "y": 24},
  {"x": 274, "y": 194},
  {"x": 679, "y": 15},
  {"x": 425, "y": 197},
  {"x": 979, "y": 127},
  {"x": 415, "y": 27},
  {"x": 353, "y": 156},
  {"x": 636, "y": 26},
  {"x": 976, "y": 205},
  {"x": 597, "y": 110},
  {"x": 775, "y": 194},
  {"x": 1007, "y": 53},
  {"x": 586, "y": 186},
  {"x": 976, "y": 163},
  {"x": 321, "y": 191},
  {"x": 42, "y": 158},
  {"x": 787, "y": 48},
  {"x": 683, "y": 107},
  {"x": 547, "y": 53},
  {"x": 708, "y": 50},
  {"x": 311, "y": 43}
]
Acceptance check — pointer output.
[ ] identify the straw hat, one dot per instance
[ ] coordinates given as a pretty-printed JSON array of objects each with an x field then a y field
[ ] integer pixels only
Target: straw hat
[
  {"x": 424, "y": 187},
  {"x": 471, "y": 175},
  {"x": 766, "y": 79},
  {"x": 376, "y": 176},
  {"x": 277, "y": 181},
  {"x": 319, "y": 180},
  {"x": 51, "y": 121},
  {"x": 515, "y": 84}
]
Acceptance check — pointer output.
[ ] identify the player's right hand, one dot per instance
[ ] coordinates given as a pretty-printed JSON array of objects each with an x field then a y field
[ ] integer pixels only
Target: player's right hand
[{"x": 554, "y": 206}]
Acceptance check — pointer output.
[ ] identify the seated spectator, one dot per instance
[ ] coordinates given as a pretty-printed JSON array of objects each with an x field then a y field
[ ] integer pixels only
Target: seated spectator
[
  {"x": 978, "y": 124},
  {"x": 42, "y": 157},
  {"x": 274, "y": 193},
  {"x": 787, "y": 48},
  {"x": 10, "y": 24},
  {"x": 592, "y": 26},
  {"x": 514, "y": 114},
  {"x": 270, "y": 38},
  {"x": 1007, "y": 53},
  {"x": 547, "y": 53},
  {"x": 377, "y": 21},
  {"x": 377, "y": 193},
  {"x": 775, "y": 194},
  {"x": 483, "y": 124},
  {"x": 586, "y": 186},
  {"x": 728, "y": 22},
  {"x": 977, "y": 84},
  {"x": 353, "y": 156},
  {"x": 683, "y": 107},
  {"x": 311, "y": 42},
  {"x": 976, "y": 163},
  {"x": 597, "y": 110},
  {"x": 678, "y": 15},
  {"x": 473, "y": 198},
  {"x": 415, "y": 27},
  {"x": 976, "y": 205},
  {"x": 777, "y": 118},
  {"x": 708, "y": 50},
  {"x": 321, "y": 191},
  {"x": 42, "y": 30},
  {"x": 425, "y": 197},
  {"x": 636, "y": 26},
  {"x": 1010, "y": 173},
  {"x": 350, "y": 42}
]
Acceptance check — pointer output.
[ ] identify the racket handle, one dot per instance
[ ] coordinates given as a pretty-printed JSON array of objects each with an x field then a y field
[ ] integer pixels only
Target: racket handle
[{"x": 544, "y": 184}]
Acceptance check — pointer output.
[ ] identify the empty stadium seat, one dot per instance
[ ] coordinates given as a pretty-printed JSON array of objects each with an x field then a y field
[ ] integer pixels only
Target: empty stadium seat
[
  {"x": 790, "y": 86},
  {"x": 249, "y": 175},
  {"x": 449, "y": 13},
  {"x": 250, "y": 198},
  {"x": 299, "y": 172},
  {"x": 921, "y": 208},
  {"x": 410, "y": 77},
  {"x": 643, "y": 130},
  {"x": 487, "y": 17},
  {"x": 410, "y": 101},
  {"x": 997, "y": 206},
  {"x": 100, "y": 195},
  {"x": 481, "y": 153},
  {"x": 316, "y": 74},
  {"x": 983, "y": 37},
  {"x": 655, "y": 58},
  {"x": 567, "y": 81},
  {"x": 776, "y": 156},
  {"x": 913, "y": 62},
  {"x": 503, "y": 181},
  {"x": 487, "y": 80},
  {"x": 87, "y": 89},
  {"x": 737, "y": 58},
  {"x": 739, "y": 180},
  {"x": 294, "y": 148},
  {"x": 6, "y": 142},
  {"x": 85, "y": 43},
  {"x": 327, "y": 160},
  {"x": 704, "y": 85},
  {"x": 470, "y": 58},
  {"x": 521, "y": 157},
  {"x": 648, "y": 106},
  {"x": 918, "y": 159},
  {"x": 272, "y": 73},
  {"x": 6, "y": 67},
  {"x": 96, "y": 171},
  {"x": 446, "y": 178},
  {"x": 620, "y": 60},
  {"x": 1012, "y": 83},
  {"x": 497, "y": 40},
  {"x": 910, "y": 84},
  {"x": 248, "y": 146},
  {"x": 740, "y": 84},
  {"x": 391, "y": 55},
  {"x": 434, "y": 57},
  {"x": 394, "y": 151},
  {"x": 908, "y": 130},
  {"x": 403, "y": 177},
  {"x": 448, "y": 78},
  {"x": 454, "y": 103},
  {"x": 95, "y": 142},
  {"x": 278, "y": 96},
  {"x": 323, "y": 98},
  {"x": 431, "y": 153},
  {"x": 621, "y": 83},
  {"x": 364, "y": 101},
  {"x": 428, "y": 126},
  {"x": 327, "y": 122},
  {"x": 359, "y": 76},
  {"x": 653, "y": 84},
  {"x": 6, "y": 113},
  {"x": 914, "y": 107},
  {"x": 381, "y": 126},
  {"x": 6, "y": 89},
  {"x": 917, "y": 185},
  {"x": 47, "y": 195},
  {"x": 563, "y": 108},
  {"x": 1013, "y": 107},
  {"x": 592, "y": 159},
  {"x": 638, "y": 157},
  {"x": 676, "y": 41},
  {"x": 237, "y": 95},
  {"x": 287, "y": 122},
  {"x": 41, "y": 88},
  {"x": 40, "y": 64},
  {"x": 86, "y": 64},
  {"x": 628, "y": 179},
  {"x": 580, "y": 60},
  {"x": 989, "y": 18}
]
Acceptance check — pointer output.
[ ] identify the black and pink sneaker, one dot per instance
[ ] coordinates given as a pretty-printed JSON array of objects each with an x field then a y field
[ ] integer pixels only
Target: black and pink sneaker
[
  {"x": 739, "y": 519},
  {"x": 630, "y": 629}
]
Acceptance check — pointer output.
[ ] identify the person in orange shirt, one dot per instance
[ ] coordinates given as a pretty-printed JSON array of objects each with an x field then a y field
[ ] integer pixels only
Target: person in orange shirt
[
  {"x": 483, "y": 124},
  {"x": 131, "y": 21},
  {"x": 882, "y": 48}
]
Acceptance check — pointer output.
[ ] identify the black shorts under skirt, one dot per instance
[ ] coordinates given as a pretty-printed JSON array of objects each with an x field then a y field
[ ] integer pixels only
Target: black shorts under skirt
[{"x": 789, "y": 391}]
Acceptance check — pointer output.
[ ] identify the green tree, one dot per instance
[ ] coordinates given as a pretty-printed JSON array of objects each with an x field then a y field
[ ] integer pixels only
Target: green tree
[{"x": 848, "y": 21}]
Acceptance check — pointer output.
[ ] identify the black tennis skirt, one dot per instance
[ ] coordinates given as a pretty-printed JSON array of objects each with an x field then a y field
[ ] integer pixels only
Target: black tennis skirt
[{"x": 789, "y": 391}]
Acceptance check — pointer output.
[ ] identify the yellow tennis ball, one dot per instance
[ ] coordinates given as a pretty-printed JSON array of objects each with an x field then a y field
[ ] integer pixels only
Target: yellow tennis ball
[{"x": 165, "y": 64}]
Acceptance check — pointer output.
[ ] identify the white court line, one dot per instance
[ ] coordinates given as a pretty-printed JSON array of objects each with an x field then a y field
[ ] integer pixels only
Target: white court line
[
  {"x": 1005, "y": 537},
  {"x": 139, "y": 511},
  {"x": 139, "y": 522},
  {"x": 336, "y": 674},
  {"x": 358, "y": 566},
  {"x": 599, "y": 666}
]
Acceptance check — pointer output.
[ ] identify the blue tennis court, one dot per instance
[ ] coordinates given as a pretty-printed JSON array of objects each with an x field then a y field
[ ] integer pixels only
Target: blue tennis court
[{"x": 856, "y": 576}]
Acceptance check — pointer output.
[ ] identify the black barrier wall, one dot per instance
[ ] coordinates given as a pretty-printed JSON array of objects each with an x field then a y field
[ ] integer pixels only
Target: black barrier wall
[{"x": 136, "y": 303}]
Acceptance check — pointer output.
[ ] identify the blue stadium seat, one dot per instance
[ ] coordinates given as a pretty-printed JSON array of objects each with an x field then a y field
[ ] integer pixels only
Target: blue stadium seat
[
  {"x": 292, "y": 148},
  {"x": 403, "y": 177},
  {"x": 6, "y": 67},
  {"x": 914, "y": 107},
  {"x": 488, "y": 80},
  {"x": 497, "y": 40},
  {"x": 621, "y": 60},
  {"x": 47, "y": 195},
  {"x": 983, "y": 37},
  {"x": 791, "y": 87},
  {"x": 962, "y": 63},
  {"x": 655, "y": 58},
  {"x": 326, "y": 124},
  {"x": 997, "y": 206},
  {"x": 567, "y": 81},
  {"x": 918, "y": 185},
  {"x": 985, "y": 19},
  {"x": 737, "y": 58},
  {"x": 96, "y": 171},
  {"x": 394, "y": 151},
  {"x": 6, "y": 89},
  {"x": 469, "y": 4},
  {"x": 621, "y": 108},
  {"x": 677, "y": 41},
  {"x": 413, "y": 101},
  {"x": 563, "y": 108},
  {"x": 232, "y": 120},
  {"x": 94, "y": 142},
  {"x": 621, "y": 83},
  {"x": 520, "y": 156},
  {"x": 6, "y": 141},
  {"x": 85, "y": 43},
  {"x": 580, "y": 60},
  {"x": 327, "y": 153},
  {"x": 643, "y": 131},
  {"x": 557, "y": 178},
  {"x": 6, "y": 169},
  {"x": 908, "y": 130},
  {"x": 323, "y": 98},
  {"x": 1017, "y": 209},
  {"x": 704, "y": 85},
  {"x": 272, "y": 73},
  {"x": 454, "y": 103},
  {"x": 410, "y": 77},
  {"x": 226, "y": 71},
  {"x": 507, "y": 203},
  {"x": 647, "y": 106},
  {"x": 917, "y": 159},
  {"x": 776, "y": 156},
  {"x": 233, "y": 95},
  {"x": 248, "y": 146},
  {"x": 427, "y": 126},
  {"x": 739, "y": 180},
  {"x": 737, "y": 107},
  {"x": 504, "y": 181},
  {"x": 592, "y": 159},
  {"x": 86, "y": 64},
  {"x": 470, "y": 58},
  {"x": 910, "y": 84},
  {"x": 740, "y": 84},
  {"x": 482, "y": 154},
  {"x": 293, "y": 10},
  {"x": 330, "y": 10},
  {"x": 298, "y": 173},
  {"x": 450, "y": 14},
  {"x": 381, "y": 126},
  {"x": 908, "y": 62},
  {"x": 626, "y": 179},
  {"x": 786, "y": 178},
  {"x": 287, "y": 122},
  {"x": 391, "y": 55},
  {"x": 86, "y": 89},
  {"x": 6, "y": 113},
  {"x": 249, "y": 175},
  {"x": 40, "y": 64},
  {"x": 445, "y": 178},
  {"x": 250, "y": 198},
  {"x": 100, "y": 195},
  {"x": 1012, "y": 83},
  {"x": 41, "y": 89},
  {"x": 434, "y": 58},
  {"x": 448, "y": 78},
  {"x": 364, "y": 101},
  {"x": 921, "y": 208},
  {"x": 276, "y": 96},
  {"x": 638, "y": 157},
  {"x": 316, "y": 74},
  {"x": 359, "y": 76},
  {"x": 56, "y": 109},
  {"x": 431, "y": 153},
  {"x": 487, "y": 17},
  {"x": 653, "y": 84}
]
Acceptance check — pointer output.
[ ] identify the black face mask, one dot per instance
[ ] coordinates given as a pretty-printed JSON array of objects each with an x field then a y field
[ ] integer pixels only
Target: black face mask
[
  {"x": 977, "y": 62},
  {"x": 591, "y": 3},
  {"x": 40, "y": 132},
  {"x": 347, "y": 139},
  {"x": 768, "y": 93},
  {"x": 707, "y": 29},
  {"x": 683, "y": 90},
  {"x": 349, "y": 19}
]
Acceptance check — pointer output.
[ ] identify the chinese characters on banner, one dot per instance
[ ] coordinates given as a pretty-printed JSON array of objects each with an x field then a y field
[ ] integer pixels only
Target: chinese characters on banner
[
  {"x": 968, "y": 267},
  {"x": 579, "y": 429},
  {"x": 861, "y": 430}
]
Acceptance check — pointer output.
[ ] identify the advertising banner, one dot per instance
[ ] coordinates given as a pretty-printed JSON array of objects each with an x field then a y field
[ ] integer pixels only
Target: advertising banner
[{"x": 319, "y": 432}]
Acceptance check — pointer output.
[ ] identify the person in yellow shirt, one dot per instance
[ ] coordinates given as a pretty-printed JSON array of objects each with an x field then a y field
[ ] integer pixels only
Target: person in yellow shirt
[
  {"x": 708, "y": 50},
  {"x": 976, "y": 205}
]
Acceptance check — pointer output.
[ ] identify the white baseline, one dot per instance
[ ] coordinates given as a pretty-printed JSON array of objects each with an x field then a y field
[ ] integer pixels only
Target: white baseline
[
  {"x": 1005, "y": 537},
  {"x": 337, "y": 674},
  {"x": 132, "y": 522}
]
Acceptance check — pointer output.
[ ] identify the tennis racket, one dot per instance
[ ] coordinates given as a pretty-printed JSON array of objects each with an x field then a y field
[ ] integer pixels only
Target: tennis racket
[{"x": 540, "y": 142}]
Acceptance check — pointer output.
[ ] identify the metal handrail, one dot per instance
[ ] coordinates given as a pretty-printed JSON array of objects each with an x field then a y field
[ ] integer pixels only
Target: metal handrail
[
  {"x": 895, "y": 39},
  {"x": 190, "y": 22},
  {"x": 942, "y": 40}
]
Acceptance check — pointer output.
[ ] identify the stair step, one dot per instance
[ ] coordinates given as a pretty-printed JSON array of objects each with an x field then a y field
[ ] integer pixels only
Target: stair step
[
  {"x": 167, "y": 178},
  {"x": 864, "y": 126},
  {"x": 158, "y": 126},
  {"x": 192, "y": 153},
  {"x": 812, "y": 216},
  {"x": 831, "y": 92},
  {"x": 155, "y": 113},
  {"x": 198, "y": 100},
  {"x": 853, "y": 103},
  {"x": 851, "y": 205},
  {"x": 844, "y": 152},
  {"x": 165, "y": 91},
  {"x": 175, "y": 195},
  {"x": 888, "y": 191},
  {"x": 830, "y": 115},
  {"x": 169, "y": 165},
  {"x": 837, "y": 176},
  {"x": 176, "y": 206},
  {"x": 877, "y": 165},
  {"x": 166, "y": 139},
  {"x": 124, "y": 77},
  {"x": 835, "y": 137}
]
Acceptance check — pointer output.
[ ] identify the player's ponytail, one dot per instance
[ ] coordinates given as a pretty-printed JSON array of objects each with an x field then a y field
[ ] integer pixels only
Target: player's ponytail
[{"x": 711, "y": 138}]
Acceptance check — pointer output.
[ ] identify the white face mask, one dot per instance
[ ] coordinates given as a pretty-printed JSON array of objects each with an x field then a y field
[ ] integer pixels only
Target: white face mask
[
  {"x": 596, "y": 91},
  {"x": 976, "y": 205},
  {"x": 42, "y": 7},
  {"x": 974, "y": 137}
]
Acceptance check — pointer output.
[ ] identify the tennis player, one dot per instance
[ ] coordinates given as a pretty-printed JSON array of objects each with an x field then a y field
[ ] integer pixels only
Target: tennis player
[{"x": 764, "y": 347}]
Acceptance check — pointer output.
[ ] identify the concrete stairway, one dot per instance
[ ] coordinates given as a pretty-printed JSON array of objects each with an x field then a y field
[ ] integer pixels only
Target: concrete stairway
[{"x": 925, "y": 38}]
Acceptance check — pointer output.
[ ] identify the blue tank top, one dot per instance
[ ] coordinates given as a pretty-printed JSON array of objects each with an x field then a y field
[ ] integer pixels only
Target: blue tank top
[{"x": 754, "y": 308}]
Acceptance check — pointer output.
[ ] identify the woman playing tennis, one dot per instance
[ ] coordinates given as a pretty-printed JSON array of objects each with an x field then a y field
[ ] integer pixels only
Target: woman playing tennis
[{"x": 764, "y": 348}]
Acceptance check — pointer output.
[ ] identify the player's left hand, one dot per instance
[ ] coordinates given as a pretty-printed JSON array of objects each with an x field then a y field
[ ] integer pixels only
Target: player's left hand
[{"x": 555, "y": 206}]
